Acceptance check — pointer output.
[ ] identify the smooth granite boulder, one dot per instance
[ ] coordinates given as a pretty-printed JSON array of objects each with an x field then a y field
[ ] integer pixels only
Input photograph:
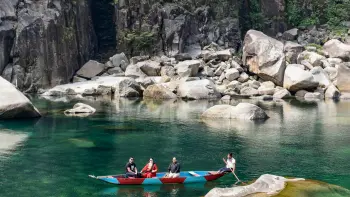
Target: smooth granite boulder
[
  {"x": 13, "y": 104},
  {"x": 243, "y": 111}
]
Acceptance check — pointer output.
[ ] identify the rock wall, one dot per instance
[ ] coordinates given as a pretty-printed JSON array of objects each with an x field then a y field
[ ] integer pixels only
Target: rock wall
[
  {"x": 43, "y": 42},
  {"x": 172, "y": 26}
]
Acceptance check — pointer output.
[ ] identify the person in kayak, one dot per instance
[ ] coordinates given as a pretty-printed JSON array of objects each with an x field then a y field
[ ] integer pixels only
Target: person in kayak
[
  {"x": 150, "y": 169},
  {"x": 230, "y": 164},
  {"x": 130, "y": 169},
  {"x": 174, "y": 169}
]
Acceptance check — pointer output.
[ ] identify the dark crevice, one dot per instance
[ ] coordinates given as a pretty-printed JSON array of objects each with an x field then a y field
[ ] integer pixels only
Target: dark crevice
[{"x": 103, "y": 15}]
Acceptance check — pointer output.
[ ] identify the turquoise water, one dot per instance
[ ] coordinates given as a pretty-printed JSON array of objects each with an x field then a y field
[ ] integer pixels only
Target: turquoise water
[{"x": 52, "y": 156}]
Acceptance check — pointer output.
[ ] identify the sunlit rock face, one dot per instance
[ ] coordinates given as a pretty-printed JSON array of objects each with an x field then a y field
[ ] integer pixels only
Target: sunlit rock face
[{"x": 272, "y": 185}]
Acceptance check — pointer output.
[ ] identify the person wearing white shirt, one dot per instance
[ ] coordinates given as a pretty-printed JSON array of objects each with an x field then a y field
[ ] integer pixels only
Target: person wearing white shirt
[{"x": 230, "y": 164}]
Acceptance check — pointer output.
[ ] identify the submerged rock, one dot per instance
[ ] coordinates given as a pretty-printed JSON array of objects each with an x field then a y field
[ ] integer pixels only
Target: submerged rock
[
  {"x": 80, "y": 109},
  {"x": 277, "y": 186},
  {"x": 243, "y": 111},
  {"x": 13, "y": 104}
]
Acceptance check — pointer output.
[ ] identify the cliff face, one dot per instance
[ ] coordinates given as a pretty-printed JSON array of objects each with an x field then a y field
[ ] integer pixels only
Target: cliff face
[
  {"x": 43, "y": 42},
  {"x": 173, "y": 26}
]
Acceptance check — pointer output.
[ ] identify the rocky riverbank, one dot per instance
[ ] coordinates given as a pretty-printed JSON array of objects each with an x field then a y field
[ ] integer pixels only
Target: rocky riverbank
[{"x": 269, "y": 68}]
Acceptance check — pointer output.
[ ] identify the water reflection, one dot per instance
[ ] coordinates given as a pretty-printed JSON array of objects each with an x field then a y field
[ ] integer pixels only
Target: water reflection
[{"x": 152, "y": 190}]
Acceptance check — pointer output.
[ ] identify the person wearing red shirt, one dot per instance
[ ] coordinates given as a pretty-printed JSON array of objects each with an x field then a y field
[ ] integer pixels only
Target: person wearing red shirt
[{"x": 150, "y": 169}]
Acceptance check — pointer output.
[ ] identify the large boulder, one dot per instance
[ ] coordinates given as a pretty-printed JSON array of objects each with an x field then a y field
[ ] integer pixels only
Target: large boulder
[
  {"x": 249, "y": 91},
  {"x": 127, "y": 87},
  {"x": 337, "y": 49},
  {"x": 80, "y": 109},
  {"x": 296, "y": 79},
  {"x": 321, "y": 76},
  {"x": 243, "y": 111},
  {"x": 291, "y": 34},
  {"x": 158, "y": 91},
  {"x": 91, "y": 69},
  {"x": 119, "y": 60},
  {"x": 282, "y": 94},
  {"x": 264, "y": 56},
  {"x": 343, "y": 79},
  {"x": 292, "y": 50},
  {"x": 188, "y": 68},
  {"x": 134, "y": 71},
  {"x": 150, "y": 68},
  {"x": 232, "y": 74},
  {"x": 313, "y": 58},
  {"x": 200, "y": 89},
  {"x": 14, "y": 104},
  {"x": 332, "y": 92}
]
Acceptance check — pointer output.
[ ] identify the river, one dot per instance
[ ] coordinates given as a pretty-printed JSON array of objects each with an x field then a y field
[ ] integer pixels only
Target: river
[{"x": 53, "y": 155}]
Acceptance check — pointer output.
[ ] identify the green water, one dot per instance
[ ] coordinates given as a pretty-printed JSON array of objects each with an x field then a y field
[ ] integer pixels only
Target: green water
[{"x": 309, "y": 140}]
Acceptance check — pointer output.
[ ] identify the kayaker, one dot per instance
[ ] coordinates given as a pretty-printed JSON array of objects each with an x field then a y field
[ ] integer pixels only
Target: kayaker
[
  {"x": 174, "y": 169},
  {"x": 230, "y": 164},
  {"x": 150, "y": 169},
  {"x": 130, "y": 169}
]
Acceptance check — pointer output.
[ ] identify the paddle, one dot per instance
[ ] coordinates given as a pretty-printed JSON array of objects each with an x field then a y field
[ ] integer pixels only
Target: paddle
[{"x": 238, "y": 180}]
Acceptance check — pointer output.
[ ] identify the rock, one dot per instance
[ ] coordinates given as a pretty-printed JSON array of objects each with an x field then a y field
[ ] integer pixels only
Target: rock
[
  {"x": 158, "y": 91},
  {"x": 311, "y": 48},
  {"x": 119, "y": 60},
  {"x": 188, "y": 68},
  {"x": 50, "y": 40},
  {"x": 149, "y": 67},
  {"x": 8, "y": 72},
  {"x": 334, "y": 61},
  {"x": 249, "y": 91},
  {"x": 80, "y": 109},
  {"x": 183, "y": 57},
  {"x": 201, "y": 89},
  {"x": 297, "y": 79},
  {"x": 134, "y": 71},
  {"x": 254, "y": 84},
  {"x": 267, "y": 84},
  {"x": 221, "y": 69},
  {"x": 313, "y": 95},
  {"x": 306, "y": 64},
  {"x": 343, "y": 79},
  {"x": 209, "y": 55},
  {"x": 282, "y": 94},
  {"x": 78, "y": 79},
  {"x": 264, "y": 56},
  {"x": 321, "y": 76},
  {"x": 14, "y": 104},
  {"x": 337, "y": 49},
  {"x": 224, "y": 55},
  {"x": 292, "y": 50},
  {"x": 266, "y": 185},
  {"x": 226, "y": 98},
  {"x": 243, "y": 77},
  {"x": 266, "y": 90},
  {"x": 312, "y": 57},
  {"x": 207, "y": 71},
  {"x": 243, "y": 111},
  {"x": 116, "y": 71},
  {"x": 232, "y": 74},
  {"x": 332, "y": 73},
  {"x": 91, "y": 69},
  {"x": 301, "y": 93},
  {"x": 136, "y": 59},
  {"x": 167, "y": 71},
  {"x": 127, "y": 87},
  {"x": 291, "y": 34}
]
